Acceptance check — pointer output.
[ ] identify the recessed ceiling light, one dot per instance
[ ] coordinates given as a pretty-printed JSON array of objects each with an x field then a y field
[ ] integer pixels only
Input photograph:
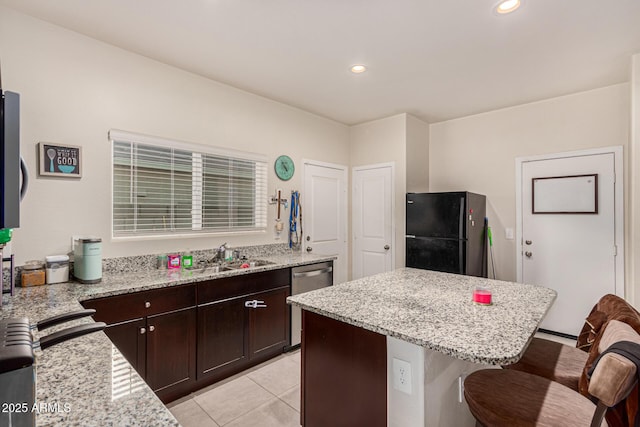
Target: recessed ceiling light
[
  {"x": 357, "y": 69},
  {"x": 507, "y": 6}
]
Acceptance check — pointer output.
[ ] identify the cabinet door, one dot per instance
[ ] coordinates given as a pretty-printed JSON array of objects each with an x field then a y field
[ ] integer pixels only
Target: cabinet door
[
  {"x": 269, "y": 326},
  {"x": 130, "y": 338},
  {"x": 222, "y": 343},
  {"x": 171, "y": 349}
]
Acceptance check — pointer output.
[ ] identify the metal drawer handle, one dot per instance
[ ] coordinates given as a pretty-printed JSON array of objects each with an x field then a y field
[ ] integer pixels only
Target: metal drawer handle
[
  {"x": 313, "y": 272},
  {"x": 255, "y": 304}
]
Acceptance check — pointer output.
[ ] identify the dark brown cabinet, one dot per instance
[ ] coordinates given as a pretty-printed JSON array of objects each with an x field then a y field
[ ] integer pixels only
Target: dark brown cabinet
[
  {"x": 182, "y": 338},
  {"x": 268, "y": 323},
  {"x": 344, "y": 374},
  {"x": 129, "y": 337},
  {"x": 156, "y": 332},
  {"x": 171, "y": 341},
  {"x": 221, "y": 337},
  {"x": 242, "y": 321}
]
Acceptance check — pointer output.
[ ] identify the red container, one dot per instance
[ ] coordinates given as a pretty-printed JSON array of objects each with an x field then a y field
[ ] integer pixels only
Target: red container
[
  {"x": 482, "y": 296},
  {"x": 173, "y": 261}
]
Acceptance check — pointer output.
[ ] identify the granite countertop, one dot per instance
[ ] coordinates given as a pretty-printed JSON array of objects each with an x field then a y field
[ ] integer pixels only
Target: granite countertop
[
  {"x": 81, "y": 378},
  {"x": 434, "y": 310}
]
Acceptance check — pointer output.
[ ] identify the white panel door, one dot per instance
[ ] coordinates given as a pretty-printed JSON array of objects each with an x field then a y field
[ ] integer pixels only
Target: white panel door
[
  {"x": 325, "y": 213},
  {"x": 572, "y": 253},
  {"x": 372, "y": 205}
]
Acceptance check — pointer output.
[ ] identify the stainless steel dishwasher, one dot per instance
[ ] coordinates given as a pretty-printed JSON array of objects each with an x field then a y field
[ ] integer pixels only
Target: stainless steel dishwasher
[{"x": 304, "y": 279}]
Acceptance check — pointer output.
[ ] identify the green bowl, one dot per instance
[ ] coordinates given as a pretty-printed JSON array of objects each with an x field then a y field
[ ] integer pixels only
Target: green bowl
[{"x": 5, "y": 235}]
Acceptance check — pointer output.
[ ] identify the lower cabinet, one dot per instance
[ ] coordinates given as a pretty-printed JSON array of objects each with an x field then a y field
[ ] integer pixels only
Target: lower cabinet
[
  {"x": 236, "y": 333},
  {"x": 171, "y": 345},
  {"x": 268, "y": 323},
  {"x": 130, "y": 338},
  {"x": 156, "y": 332},
  {"x": 161, "y": 348},
  {"x": 222, "y": 344},
  {"x": 182, "y": 338}
]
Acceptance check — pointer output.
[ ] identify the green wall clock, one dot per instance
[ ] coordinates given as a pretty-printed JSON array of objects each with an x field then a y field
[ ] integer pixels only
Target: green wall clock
[{"x": 284, "y": 167}]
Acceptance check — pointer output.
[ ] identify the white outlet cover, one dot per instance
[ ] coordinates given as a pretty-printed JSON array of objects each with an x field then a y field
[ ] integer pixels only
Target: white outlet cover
[
  {"x": 508, "y": 233},
  {"x": 402, "y": 376}
]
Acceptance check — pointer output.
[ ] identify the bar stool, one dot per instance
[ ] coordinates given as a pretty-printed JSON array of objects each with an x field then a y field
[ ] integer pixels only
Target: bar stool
[
  {"x": 563, "y": 363},
  {"x": 512, "y": 398},
  {"x": 554, "y": 361}
]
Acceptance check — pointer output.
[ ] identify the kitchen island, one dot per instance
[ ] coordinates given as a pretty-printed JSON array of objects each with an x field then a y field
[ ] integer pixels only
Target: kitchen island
[
  {"x": 86, "y": 381},
  {"x": 423, "y": 318}
]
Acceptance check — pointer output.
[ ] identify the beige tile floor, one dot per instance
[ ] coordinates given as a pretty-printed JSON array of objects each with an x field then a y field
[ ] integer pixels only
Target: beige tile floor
[{"x": 267, "y": 395}]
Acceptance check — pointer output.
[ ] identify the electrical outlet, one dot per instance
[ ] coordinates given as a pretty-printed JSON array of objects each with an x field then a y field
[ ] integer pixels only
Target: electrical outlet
[{"x": 402, "y": 376}]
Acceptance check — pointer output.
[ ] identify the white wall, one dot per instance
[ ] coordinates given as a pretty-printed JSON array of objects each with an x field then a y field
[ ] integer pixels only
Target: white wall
[
  {"x": 417, "y": 155},
  {"x": 74, "y": 89},
  {"x": 477, "y": 153}
]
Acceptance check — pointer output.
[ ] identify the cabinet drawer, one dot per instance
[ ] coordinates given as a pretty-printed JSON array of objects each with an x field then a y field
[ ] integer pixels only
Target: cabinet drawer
[
  {"x": 245, "y": 284},
  {"x": 140, "y": 304}
]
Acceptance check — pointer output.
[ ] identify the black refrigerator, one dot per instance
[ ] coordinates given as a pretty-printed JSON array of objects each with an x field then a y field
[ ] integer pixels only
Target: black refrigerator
[{"x": 446, "y": 232}]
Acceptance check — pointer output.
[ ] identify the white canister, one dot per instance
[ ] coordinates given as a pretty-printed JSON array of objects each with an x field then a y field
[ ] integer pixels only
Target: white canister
[{"x": 57, "y": 268}]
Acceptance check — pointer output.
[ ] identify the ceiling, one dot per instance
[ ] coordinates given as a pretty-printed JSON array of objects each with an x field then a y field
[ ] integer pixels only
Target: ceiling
[{"x": 435, "y": 59}]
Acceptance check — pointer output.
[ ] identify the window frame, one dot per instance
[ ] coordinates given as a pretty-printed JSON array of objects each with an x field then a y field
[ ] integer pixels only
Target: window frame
[{"x": 260, "y": 199}]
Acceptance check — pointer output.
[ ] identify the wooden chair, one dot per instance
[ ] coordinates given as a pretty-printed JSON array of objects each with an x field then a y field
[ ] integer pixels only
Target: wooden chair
[{"x": 512, "y": 398}]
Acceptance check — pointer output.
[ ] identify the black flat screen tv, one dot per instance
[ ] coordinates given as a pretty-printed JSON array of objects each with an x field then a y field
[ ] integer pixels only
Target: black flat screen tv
[{"x": 10, "y": 161}]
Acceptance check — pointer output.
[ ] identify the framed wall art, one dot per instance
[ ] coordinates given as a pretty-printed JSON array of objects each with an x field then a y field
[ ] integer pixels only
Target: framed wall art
[
  {"x": 577, "y": 194},
  {"x": 63, "y": 161}
]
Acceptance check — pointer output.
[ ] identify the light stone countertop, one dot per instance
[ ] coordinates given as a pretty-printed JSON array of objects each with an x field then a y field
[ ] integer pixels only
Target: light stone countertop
[
  {"x": 78, "y": 374},
  {"x": 434, "y": 310}
]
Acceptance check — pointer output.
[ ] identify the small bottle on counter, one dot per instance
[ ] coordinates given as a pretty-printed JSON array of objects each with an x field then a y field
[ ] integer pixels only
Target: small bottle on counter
[
  {"x": 187, "y": 260},
  {"x": 173, "y": 261},
  {"x": 162, "y": 262}
]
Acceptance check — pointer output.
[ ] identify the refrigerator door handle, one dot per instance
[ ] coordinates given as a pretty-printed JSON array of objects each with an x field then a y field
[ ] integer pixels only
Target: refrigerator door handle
[
  {"x": 461, "y": 219},
  {"x": 410, "y": 236},
  {"x": 461, "y": 256}
]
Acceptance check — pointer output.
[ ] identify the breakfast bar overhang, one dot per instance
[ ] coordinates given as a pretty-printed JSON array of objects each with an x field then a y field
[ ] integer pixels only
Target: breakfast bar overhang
[{"x": 393, "y": 349}]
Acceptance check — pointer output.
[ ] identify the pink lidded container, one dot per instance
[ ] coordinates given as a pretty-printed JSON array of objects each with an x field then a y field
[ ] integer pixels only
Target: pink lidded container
[
  {"x": 173, "y": 261},
  {"x": 482, "y": 295}
]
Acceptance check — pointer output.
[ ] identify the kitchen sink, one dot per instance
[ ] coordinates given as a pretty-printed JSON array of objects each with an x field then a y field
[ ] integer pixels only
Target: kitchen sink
[{"x": 237, "y": 265}]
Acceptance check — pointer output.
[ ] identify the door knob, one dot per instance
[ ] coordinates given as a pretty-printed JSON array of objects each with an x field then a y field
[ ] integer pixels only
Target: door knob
[
  {"x": 143, "y": 331},
  {"x": 528, "y": 242},
  {"x": 152, "y": 328},
  {"x": 386, "y": 247},
  {"x": 309, "y": 248},
  {"x": 528, "y": 254},
  {"x": 147, "y": 304}
]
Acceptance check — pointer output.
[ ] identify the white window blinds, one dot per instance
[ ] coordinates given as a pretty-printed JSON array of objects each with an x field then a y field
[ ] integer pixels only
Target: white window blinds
[{"x": 163, "y": 187}]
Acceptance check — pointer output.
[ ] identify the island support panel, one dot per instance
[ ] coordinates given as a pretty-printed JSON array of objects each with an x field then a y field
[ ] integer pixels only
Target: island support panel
[{"x": 344, "y": 371}]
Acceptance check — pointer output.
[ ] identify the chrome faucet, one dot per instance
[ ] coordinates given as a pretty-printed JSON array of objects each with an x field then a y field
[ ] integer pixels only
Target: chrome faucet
[{"x": 222, "y": 249}]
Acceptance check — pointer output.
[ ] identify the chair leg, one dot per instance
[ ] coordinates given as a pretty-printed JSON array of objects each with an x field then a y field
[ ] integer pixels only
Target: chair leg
[{"x": 599, "y": 414}]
